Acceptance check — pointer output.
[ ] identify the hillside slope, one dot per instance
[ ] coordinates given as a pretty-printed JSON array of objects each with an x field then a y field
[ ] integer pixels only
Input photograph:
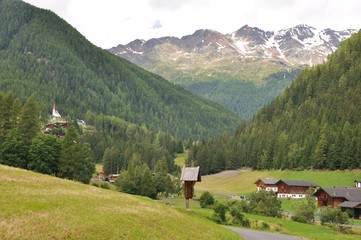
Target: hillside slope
[
  {"x": 316, "y": 123},
  {"x": 242, "y": 70},
  {"x": 35, "y": 206},
  {"x": 41, "y": 54}
]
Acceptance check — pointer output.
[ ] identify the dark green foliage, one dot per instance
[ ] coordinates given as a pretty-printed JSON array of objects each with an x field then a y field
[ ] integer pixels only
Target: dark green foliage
[
  {"x": 314, "y": 124},
  {"x": 242, "y": 97},
  {"x": 13, "y": 151},
  {"x": 29, "y": 123},
  {"x": 219, "y": 214},
  {"x": 305, "y": 212},
  {"x": 119, "y": 140},
  {"x": 42, "y": 55},
  {"x": 163, "y": 181},
  {"x": 75, "y": 162},
  {"x": 137, "y": 179},
  {"x": 44, "y": 154},
  {"x": 206, "y": 200},
  {"x": 23, "y": 145},
  {"x": 335, "y": 218},
  {"x": 238, "y": 218},
  {"x": 265, "y": 203}
]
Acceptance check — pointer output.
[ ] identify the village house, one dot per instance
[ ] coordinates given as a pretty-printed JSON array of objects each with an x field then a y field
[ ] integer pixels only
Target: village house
[
  {"x": 286, "y": 188},
  {"x": 99, "y": 177},
  {"x": 113, "y": 177},
  {"x": 346, "y": 198}
]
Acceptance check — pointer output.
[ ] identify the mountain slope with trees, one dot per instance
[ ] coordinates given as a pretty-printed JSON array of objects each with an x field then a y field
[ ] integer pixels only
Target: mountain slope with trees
[
  {"x": 316, "y": 123},
  {"x": 41, "y": 54}
]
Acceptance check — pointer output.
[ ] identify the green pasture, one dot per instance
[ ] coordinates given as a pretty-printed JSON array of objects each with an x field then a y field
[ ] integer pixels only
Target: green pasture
[
  {"x": 243, "y": 182},
  {"x": 36, "y": 206}
]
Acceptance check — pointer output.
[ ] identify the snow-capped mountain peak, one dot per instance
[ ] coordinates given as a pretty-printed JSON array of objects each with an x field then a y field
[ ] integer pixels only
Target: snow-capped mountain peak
[{"x": 209, "y": 49}]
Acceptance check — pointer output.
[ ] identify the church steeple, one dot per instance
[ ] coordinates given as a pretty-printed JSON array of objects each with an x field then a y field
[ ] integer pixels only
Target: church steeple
[{"x": 55, "y": 113}]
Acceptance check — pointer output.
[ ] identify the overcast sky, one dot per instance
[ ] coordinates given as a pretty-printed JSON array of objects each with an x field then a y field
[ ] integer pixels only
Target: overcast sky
[{"x": 107, "y": 23}]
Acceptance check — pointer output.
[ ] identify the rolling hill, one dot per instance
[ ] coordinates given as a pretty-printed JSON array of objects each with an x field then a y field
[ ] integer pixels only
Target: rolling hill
[
  {"x": 35, "y": 206},
  {"x": 42, "y": 55}
]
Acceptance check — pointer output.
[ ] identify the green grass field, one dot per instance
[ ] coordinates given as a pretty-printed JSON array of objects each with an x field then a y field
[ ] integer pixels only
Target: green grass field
[
  {"x": 181, "y": 158},
  {"x": 284, "y": 226},
  {"x": 243, "y": 182},
  {"x": 36, "y": 206}
]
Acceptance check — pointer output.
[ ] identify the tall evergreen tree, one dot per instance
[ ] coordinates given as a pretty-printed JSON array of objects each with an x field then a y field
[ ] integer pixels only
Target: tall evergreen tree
[
  {"x": 29, "y": 125},
  {"x": 13, "y": 151},
  {"x": 75, "y": 161}
]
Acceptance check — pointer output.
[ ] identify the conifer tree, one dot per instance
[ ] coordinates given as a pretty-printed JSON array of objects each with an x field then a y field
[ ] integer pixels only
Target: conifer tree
[{"x": 29, "y": 125}]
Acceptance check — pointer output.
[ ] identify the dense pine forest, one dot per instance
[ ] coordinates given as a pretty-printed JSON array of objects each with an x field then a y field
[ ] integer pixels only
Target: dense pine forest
[
  {"x": 42, "y": 55},
  {"x": 314, "y": 124},
  {"x": 111, "y": 141},
  {"x": 242, "y": 97}
]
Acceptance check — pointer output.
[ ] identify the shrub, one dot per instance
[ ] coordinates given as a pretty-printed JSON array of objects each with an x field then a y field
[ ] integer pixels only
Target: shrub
[
  {"x": 238, "y": 218},
  {"x": 335, "y": 218},
  {"x": 220, "y": 212},
  {"x": 265, "y": 203},
  {"x": 206, "y": 200}
]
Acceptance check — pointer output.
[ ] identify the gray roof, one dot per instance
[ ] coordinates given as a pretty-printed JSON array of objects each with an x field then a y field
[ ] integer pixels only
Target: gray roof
[
  {"x": 300, "y": 183},
  {"x": 191, "y": 174},
  {"x": 348, "y": 204},
  {"x": 352, "y": 194},
  {"x": 270, "y": 180}
]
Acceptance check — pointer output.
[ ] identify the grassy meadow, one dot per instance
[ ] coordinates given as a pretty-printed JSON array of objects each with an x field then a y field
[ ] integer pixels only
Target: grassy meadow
[
  {"x": 242, "y": 182},
  {"x": 36, "y": 206}
]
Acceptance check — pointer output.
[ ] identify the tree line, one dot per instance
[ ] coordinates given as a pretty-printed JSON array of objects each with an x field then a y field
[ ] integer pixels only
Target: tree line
[{"x": 314, "y": 124}]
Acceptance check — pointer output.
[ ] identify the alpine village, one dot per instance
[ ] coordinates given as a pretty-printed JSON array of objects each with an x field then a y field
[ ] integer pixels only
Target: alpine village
[{"x": 208, "y": 136}]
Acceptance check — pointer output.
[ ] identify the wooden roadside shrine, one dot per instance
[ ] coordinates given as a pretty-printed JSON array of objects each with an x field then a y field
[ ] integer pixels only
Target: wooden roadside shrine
[{"x": 190, "y": 175}]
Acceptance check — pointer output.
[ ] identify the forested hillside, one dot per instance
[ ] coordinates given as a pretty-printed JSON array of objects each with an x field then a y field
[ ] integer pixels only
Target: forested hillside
[
  {"x": 41, "y": 54},
  {"x": 316, "y": 123}
]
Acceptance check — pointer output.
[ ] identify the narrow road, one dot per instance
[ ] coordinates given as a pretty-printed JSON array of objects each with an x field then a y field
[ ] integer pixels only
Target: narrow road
[{"x": 248, "y": 234}]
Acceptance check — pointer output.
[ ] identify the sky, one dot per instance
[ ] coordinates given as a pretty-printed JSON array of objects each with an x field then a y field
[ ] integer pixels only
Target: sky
[{"x": 107, "y": 23}]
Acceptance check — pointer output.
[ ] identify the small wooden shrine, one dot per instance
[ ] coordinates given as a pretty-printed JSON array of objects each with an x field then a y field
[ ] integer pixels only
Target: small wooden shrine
[{"x": 190, "y": 175}]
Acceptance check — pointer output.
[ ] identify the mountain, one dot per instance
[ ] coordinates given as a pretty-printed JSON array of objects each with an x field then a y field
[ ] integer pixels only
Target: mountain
[
  {"x": 208, "y": 58},
  {"x": 42, "y": 55},
  {"x": 314, "y": 124}
]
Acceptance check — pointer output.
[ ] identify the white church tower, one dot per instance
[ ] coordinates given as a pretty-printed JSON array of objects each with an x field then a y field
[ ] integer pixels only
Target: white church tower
[{"x": 55, "y": 114}]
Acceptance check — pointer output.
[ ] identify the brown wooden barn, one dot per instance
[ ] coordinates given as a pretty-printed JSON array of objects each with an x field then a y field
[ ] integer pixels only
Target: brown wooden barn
[{"x": 343, "y": 197}]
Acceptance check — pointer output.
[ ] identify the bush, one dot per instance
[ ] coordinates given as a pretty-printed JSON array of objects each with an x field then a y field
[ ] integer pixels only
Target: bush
[
  {"x": 299, "y": 218},
  {"x": 305, "y": 212},
  {"x": 265, "y": 203},
  {"x": 220, "y": 212},
  {"x": 238, "y": 218},
  {"x": 206, "y": 200},
  {"x": 335, "y": 218}
]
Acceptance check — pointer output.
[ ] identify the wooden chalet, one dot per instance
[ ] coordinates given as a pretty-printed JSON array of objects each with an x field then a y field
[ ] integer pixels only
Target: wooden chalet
[
  {"x": 113, "y": 177},
  {"x": 267, "y": 184},
  {"x": 343, "y": 197},
  {"x": 286, "y": 188}
]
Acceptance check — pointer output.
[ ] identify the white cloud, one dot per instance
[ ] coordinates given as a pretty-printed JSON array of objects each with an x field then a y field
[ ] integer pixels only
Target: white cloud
[{"x": 107, "y": 23}]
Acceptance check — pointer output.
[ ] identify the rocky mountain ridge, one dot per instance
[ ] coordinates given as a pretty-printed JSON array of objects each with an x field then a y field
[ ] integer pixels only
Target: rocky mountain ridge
[
  {"x": 286, "y": 48},
  {"x": 243, "y": 70}
]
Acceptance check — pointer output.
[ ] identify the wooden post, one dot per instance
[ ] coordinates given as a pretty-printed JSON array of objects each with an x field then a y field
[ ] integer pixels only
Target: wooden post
[
  {"x": 190, "y": 176},
  {"x": 187, "y": 204}
]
